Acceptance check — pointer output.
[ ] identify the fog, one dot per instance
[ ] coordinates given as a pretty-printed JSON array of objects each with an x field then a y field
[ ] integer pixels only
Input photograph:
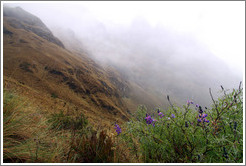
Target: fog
[{"x": 177, "y": 48}]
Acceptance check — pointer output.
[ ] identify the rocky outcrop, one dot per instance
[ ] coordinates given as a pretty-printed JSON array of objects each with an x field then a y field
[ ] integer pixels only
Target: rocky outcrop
[{"x": 20, "y": 19}]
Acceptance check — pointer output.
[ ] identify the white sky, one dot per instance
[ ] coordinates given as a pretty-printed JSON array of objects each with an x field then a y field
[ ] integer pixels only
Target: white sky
[{"x": 219, "y": 25}]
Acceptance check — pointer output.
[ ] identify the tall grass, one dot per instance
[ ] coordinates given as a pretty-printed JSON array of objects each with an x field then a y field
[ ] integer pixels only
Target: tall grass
[
  {"x": 32, "y": 136},
  {"x": 26, "y": 134}
]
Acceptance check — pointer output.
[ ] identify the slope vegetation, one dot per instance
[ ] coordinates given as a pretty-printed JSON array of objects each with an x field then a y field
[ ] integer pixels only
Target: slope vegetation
[{"x": 37, "y": 65}]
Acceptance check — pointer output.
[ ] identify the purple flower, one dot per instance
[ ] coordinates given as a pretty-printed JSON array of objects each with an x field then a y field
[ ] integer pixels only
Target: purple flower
[
  {"x": 153, "y": 122},
  {"x": 205, "y": 120},
  {"x": 118, "y": 129},
  {"x": 149, "y": 120},
  {"x": 173, "y": 116},
  {"x": 161, "y": 114},
  {"x": 204, "y": 115},
  {"x": 202, "y": 118},
  {"x": 197, "y": 105},
  {"x": 189, "y": 102}
]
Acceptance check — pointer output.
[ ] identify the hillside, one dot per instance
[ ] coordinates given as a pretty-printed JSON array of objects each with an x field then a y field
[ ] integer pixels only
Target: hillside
[
  {"x": 37, "y": 66},
  {"x": 80, "y": 88},
  {"x": 156, "y": 61},
  {"x": 133, "y": 92}
]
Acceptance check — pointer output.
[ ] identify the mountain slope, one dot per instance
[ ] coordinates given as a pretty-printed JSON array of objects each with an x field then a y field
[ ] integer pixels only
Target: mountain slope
[
  {"x": 20, "y": 19},
  {"x": 133, "y": 94},
  {"x": 36, "y": 64},
  {"x": 159, "y": 62}
]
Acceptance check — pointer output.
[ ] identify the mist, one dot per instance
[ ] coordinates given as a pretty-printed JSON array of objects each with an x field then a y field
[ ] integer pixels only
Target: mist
[{"x": 178, "y": 49}]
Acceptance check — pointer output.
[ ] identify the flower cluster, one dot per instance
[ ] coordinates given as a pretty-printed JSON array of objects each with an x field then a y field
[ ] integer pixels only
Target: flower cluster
[
  {"x": 150, "y": 120},
  {"x": 197, "y": 106},
  {"x": 202, "y": 118},
  {"x": 118, "y": 129},
  {"x": 173, "y": 116}
]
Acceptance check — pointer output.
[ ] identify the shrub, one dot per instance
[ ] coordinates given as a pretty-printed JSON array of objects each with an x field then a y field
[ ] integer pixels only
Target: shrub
[
  {"x": 92, "y": 148},
  {"x": 190, "y": 133},
  {"x": 61, "y": 121}
]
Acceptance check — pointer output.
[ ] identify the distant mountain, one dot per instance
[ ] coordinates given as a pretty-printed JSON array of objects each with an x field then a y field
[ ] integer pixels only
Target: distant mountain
[
  {"x": 37, "y": 66},
  {"x": 157, "y": 62},
  {"x": 133, "y": 94},
  {"x": 20, "y": 19}
]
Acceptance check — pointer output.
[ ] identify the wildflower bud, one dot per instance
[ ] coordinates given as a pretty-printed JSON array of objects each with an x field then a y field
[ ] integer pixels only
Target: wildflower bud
[
  {"x": 153, "y": 123},
  {"x": 204, "y": 115},
  {"x": 189, "y": 102},
  {"x": 225, "y": 153},
  {"x": 200, "y": 110},
  {"x": 221, "y": 87},
  {"x": 118, "y": 129},
  {"x": 186, "y": 124},
  {"x": 160, "y": 114},
  {"x": 235, "y": 125},
  {"x": 230, "y": 125}
]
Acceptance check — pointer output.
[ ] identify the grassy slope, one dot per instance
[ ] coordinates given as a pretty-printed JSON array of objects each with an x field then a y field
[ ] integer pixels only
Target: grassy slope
[
  {"x": 40, "y": 69},
  {"x": 133, "y": 93}
]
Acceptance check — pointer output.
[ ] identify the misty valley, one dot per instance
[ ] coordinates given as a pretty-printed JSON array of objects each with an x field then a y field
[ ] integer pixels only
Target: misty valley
[{"x": 100, "y": 92}]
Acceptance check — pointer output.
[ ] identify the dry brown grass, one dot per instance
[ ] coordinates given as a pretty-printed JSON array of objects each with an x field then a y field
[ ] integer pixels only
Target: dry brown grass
[
  {"x": 39, "y": 70},
  {"x": 30, "y": 136}
]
